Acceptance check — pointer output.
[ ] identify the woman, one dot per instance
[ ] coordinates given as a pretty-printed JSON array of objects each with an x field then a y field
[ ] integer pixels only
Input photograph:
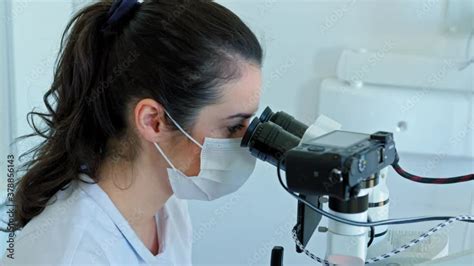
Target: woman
[{"x": 146, "y": 109}]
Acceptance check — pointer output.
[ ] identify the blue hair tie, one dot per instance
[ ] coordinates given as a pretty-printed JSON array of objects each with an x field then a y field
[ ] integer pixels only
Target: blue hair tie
[{"x": 118, "y": 10}]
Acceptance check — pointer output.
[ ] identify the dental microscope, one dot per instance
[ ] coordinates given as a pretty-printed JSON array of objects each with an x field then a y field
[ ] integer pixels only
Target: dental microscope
[{"x": 344, "y": 170}]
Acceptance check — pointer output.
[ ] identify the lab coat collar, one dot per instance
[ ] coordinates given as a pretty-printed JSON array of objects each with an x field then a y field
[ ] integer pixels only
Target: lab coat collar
[{"x": 103, "y": 200}]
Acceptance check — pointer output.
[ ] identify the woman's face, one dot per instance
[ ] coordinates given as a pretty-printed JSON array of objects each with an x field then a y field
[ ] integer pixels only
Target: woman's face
[{"x": 227, "y": 119}]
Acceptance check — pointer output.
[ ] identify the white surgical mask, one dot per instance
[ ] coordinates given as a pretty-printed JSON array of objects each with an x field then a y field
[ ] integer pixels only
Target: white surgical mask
[{"x": 225, "y": 167}]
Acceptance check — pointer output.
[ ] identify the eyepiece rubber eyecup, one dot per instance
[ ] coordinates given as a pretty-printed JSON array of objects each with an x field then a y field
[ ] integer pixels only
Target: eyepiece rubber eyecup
[
  {"x": 249, "y": 133},
  {"x": 266, "y": 115}
]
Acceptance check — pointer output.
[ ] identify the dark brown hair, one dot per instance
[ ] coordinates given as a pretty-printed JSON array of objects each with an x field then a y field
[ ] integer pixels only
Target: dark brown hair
[{"x": 176, "y": 52}]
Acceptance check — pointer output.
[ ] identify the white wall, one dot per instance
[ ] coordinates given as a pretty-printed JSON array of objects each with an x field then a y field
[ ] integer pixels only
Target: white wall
[
  {"x": 302, "y": 41},
  {"x": 37, "y": 30},
  {"x": 4, "y": 88}
]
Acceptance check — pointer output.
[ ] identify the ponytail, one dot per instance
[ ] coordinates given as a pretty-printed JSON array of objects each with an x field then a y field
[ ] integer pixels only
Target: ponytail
[{"x": 68, "y": 142}]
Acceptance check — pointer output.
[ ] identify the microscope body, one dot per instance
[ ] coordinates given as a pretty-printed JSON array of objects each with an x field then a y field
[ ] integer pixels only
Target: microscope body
[
  {"x": 344, "y": 166},
  {"x": 347, "y": 168},
  {"x": 347, "y": 244}
]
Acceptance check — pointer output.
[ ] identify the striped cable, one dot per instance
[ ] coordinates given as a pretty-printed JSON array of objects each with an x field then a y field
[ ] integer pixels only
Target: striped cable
[
  {"x": 430, "y": 180},
  {"x": 393, "y": 252}
]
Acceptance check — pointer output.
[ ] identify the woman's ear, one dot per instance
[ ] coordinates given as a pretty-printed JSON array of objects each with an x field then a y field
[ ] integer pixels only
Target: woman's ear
[{"x": 149, "y": 118}]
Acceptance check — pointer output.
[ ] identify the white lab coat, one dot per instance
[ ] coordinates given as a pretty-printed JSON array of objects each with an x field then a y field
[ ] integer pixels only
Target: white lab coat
[{"x": 83, "y": 227}]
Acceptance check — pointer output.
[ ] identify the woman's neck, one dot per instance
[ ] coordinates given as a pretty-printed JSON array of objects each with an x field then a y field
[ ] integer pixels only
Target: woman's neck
[{"x": 138, "y": 190}]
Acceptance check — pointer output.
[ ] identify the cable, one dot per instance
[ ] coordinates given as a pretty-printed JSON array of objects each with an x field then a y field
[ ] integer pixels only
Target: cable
[
  {"x": 368, "y": 224},
  {"x": 429, "y": 180},
  {"x": 372, "y": 233},
  {"x": 302, "y": 247},
  {"x": 383, "y": 256},
  {"x": 468, "y": 45},
  {"x": 469, "y": 59},
  {"x": 414, "y": 241}
]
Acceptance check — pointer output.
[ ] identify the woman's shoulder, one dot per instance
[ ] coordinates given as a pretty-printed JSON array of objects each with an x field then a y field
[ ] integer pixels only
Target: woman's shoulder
[
  {"x": 59, "y": 246},
  {"x": 63, "y": 232},
  {"x": 69, "y": 208}
]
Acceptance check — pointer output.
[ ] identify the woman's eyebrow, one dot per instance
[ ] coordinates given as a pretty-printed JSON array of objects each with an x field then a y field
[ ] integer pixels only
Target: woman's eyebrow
[{"x": 240, "y": 115}]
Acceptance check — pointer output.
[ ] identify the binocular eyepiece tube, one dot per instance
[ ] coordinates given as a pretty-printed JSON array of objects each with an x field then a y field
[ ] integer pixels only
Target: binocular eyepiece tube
[{"x": 272, "y": 135}]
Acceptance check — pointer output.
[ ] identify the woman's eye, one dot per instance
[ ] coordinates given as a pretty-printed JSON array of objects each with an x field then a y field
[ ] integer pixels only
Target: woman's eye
[{"x": 235, "y": 129}]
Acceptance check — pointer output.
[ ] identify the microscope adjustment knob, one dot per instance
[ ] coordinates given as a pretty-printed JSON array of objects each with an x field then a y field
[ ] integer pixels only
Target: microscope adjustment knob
[{"x": 336, "y": 176}]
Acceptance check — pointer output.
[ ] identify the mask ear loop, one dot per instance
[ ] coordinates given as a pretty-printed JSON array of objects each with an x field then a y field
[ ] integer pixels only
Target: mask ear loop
[
  {"x": 183, "y": 131},
  {"x": 164, "y": 156}
]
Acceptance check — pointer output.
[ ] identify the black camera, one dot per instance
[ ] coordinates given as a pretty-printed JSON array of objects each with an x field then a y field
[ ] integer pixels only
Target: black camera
[
  {"x": 336, "y": 164},
  {"x": 339, "y": 163}
]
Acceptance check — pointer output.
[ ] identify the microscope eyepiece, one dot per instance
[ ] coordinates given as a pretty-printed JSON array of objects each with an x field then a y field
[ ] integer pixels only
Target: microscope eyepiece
[
  {"x": 266, "y": 115},
  {"x": 268, "y": 141},
  {"x": 249, "y": 133},
  {"x": 284, "y": 120}
]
